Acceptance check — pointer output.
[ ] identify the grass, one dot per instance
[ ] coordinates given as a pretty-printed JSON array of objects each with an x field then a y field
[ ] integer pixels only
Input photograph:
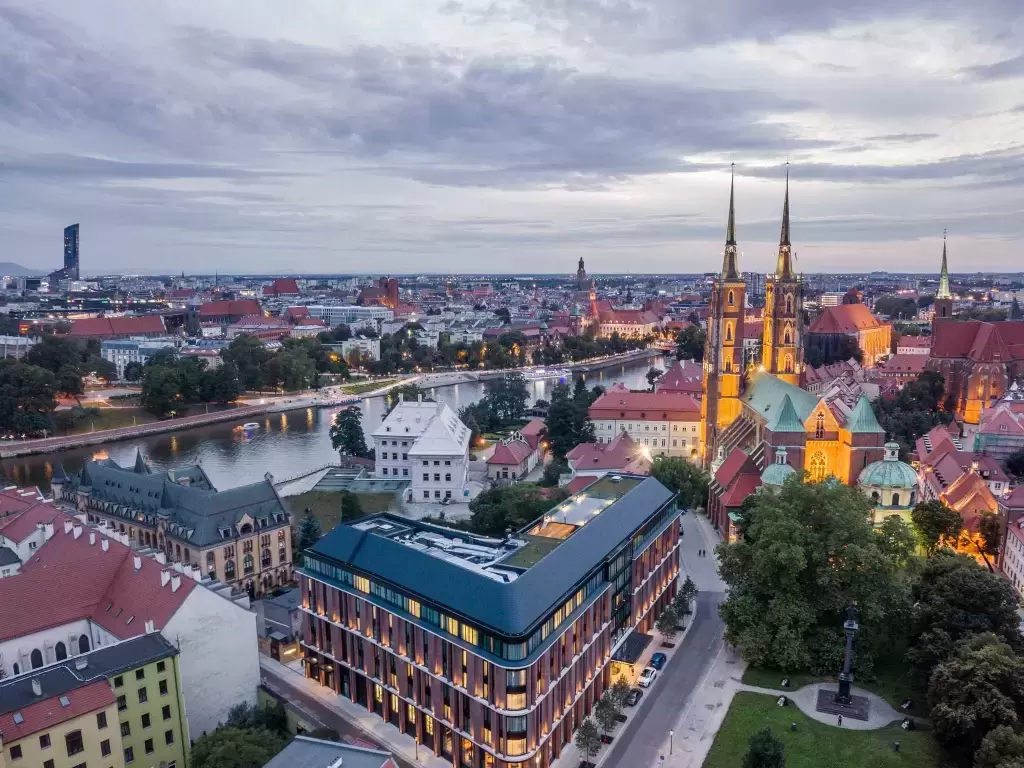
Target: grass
[
  {"x": 326, "y": 505},
  {"x": 816, "y": 744},
  {"x": 109, "y": 418},
  {"x": 772, "y": 678},
  {"x": 366, "y": 386},
  {"x": 534, "y": 551}
]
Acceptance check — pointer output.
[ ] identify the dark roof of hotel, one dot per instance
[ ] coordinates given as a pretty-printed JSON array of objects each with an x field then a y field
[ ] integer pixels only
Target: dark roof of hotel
[
  {"x": 305, "y": 752},
  {"x": 510, "y": 608}
]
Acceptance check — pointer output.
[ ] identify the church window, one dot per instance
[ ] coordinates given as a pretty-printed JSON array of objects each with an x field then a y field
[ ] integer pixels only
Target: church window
[
  {"x": 728, "y": 333},
  {"x": 817, "y": 467},
  {"x": 789, "y": 303},
  {"x": 732, "y": 299},
  {"x": 895, "y": 499},
  {"x": 789, "y": 364},
  {"x": 819, "y": 429},
  {"x": 788, "y": 337}
]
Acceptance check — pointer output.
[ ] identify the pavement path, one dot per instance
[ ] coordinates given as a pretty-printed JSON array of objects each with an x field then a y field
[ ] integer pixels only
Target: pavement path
[{"x": 806, "y": 699}]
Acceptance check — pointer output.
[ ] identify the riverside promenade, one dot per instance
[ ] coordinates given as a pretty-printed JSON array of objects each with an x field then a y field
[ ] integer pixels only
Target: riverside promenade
[{"x": 51, "y": 444}]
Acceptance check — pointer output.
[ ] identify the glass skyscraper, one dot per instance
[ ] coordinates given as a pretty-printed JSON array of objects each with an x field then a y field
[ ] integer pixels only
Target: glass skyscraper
[{"x": 71, "y": 252}]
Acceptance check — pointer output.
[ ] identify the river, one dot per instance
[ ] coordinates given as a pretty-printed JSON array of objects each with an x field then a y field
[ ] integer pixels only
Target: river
[{"x": 285, "y": 445}]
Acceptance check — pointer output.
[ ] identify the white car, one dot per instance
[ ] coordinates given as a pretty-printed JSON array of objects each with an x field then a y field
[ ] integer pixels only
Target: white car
[{"x": 647, "y": 677}]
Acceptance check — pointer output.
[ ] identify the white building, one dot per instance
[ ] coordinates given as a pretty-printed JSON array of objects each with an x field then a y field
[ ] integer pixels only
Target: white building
[
  {"x": 84, "y": 588},
  {"x": 368, "y": 348},
  {"x": 121, "y": 352},
  {"x": 664, "y": 423},
  {"x": 352, "y": 315},
  {"x": 426, "y": 443},
  {"x": 15, "y": 346}
]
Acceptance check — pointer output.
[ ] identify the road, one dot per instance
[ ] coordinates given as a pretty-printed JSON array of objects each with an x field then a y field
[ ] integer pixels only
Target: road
[
  {"x": 316, "y": 711},
  {"x": 640, "y": 744}
]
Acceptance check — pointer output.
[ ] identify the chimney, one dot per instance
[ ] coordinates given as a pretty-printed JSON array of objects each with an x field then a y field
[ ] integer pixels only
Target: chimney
[
  {"x": 150, "y": 627},
  {"x": 401, "y": 397},
  {"x": 48, "y": 531},
  {"x": 105, "y": 545},
  {"x": 137, "y": 563},
  {"x": 92, "y": 538},
  {"x": 175, "y": 582},
  {"x": 81, "y": 662},
  {"x": 37, "y": 687},
  {"x": 165, "y": 576},
  {"x": 67, "y": 525},
  {"x": 161, "y": 557},
  {"x": 419, "y": 398},
  {"x": 77, "y": 531}
]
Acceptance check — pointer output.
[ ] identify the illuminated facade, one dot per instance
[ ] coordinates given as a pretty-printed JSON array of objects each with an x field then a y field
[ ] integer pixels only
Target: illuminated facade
[{"x": 782, "y": 349}]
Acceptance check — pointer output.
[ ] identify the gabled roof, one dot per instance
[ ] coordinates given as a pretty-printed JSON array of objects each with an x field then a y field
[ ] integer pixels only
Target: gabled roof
[
  {"x": 118, "y": 326},
  {"x": 765, "y": 394},
  {"x": 621, "y": 454},
  {"x": 511, "y": 453},
  {"x": 969, "y": 495},
  {"x": 685, "y": 376},
  {"x": 21, "y": 525},
  {"x": 445, "y": 435},
  {"x": 619, "y": 403},
  {"x": 786, "y": 419},
  {"x": 235, "y": 307},
  {"x": 845, "y": 319},
  {"x": 903, "y": 365},
  {"x": 48, "y": 712},
  {"x": 743, "y": 486},
  {"x": 862, "y": 420}
]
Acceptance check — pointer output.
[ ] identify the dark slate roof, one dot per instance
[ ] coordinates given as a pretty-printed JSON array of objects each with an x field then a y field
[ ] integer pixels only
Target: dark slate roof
[
  {"x": 510, "y": 608},
  {"x": 304, "y": 752},
  {"x": 102, "y": 663},
  {"x": 8, "y": 556},
  {"x": 195, "y": 512}
]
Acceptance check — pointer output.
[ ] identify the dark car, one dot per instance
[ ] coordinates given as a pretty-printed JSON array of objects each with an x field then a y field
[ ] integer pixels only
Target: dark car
[
  {"x": 658, "y": 660},
  {"x": 634, "y": 696}
]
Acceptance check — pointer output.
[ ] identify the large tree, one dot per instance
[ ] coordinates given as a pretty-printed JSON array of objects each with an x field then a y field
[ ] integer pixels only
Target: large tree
[
  {"x": 1003, "y": 747},
  {"x": 28, "y": 395},
  {"x": 766, "y": 750},
  {"x": 236, "y": 748},
  {"x": 955, "y": 599},
  {"x": 512, "y": 506},
  {"x": 683, "y": 477},
  {"x": 807, "y": 553},
  {"x": 979, "y": 689},
  {"x": 936, "y": 523},
  {"x": 690, "y": 343},
  {"x": 249, "y": 356},
  {"x": 568, "y": 422},
  {"x": 347, "y": 432},
  {"x": 161, "y": 390}
]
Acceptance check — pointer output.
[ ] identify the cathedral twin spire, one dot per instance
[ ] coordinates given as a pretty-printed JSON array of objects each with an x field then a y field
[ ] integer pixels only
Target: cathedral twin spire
[{"x": 784, "y": 266}]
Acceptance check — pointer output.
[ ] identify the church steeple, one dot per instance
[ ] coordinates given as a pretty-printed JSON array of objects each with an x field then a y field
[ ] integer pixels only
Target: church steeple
[
  {"x": 730, "y": 267},
  {"x": 784, "y": 266},
  {"x": 944, "y": 292}
]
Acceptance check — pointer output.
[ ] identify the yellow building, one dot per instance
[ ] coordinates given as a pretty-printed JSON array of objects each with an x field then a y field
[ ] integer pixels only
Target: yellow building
[
  {"x": 891, "y": 485},
  {"x": 118, "y": 705},
  {"x": 782, "y": 348}
]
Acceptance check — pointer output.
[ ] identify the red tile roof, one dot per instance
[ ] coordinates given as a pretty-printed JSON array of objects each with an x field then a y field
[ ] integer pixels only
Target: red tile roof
[
  {"x": 534, "y": 431},
  {"x": 110, "y": 327},
  {"x": 645, "y": 406},
  {"x": 846, "y": 319},
  {"x": 15, "y": 499},
  {"x": 45, "y": 714},
  {"x": 903, "y": 365},
  {"x": 20, "y": 525},
  {"x": 282, "y": 286},
  {"x": 512, "y": 453},
  {"x": 577, "y": 484},
  {"x": 979, "y": 341},
  {"x": 743, "y": 486},
  {"x": 70, "y": 579},
  {"x": 731, "y": 467},
  {"x": 234, "y": 308},
  {"x": 970, "y": 496},
  {"x": 685, "y": 376},
  {"x": 622, "y": 454},
  {"x": 296, "y": 313},
  {"x": 1001, "y": 420}
]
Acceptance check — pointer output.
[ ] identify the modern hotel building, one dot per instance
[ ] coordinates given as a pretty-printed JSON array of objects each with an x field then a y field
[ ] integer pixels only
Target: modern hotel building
[{"x": 490, "y": 651}]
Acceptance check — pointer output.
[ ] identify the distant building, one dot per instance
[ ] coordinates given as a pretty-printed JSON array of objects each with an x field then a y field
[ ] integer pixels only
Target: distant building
[
  {"x": 513, "y": 459},
  {"x": 259, "y": 326},
  {"x": 228, "y": 311},
  {"x": 16, "y": 346},
  {"x": 902, "y": 367},
  {"x": 146, "y": 326},
  {"x": 1001, "y": 431},
  {"x": 856, "y": 321},
  {"x": 384, "y": 293},
  {"x": 425, "y": 443},
  {"x": 490, "y": 651},
  {"x": 665, "y": 423},
  {"x": 282, "y": 286},
  {"x": 369, "y": 349},
  {"x": 71, "y": 260},
  {"x": 351, "y": 315},
  {"x": 914, "y": 345},
  {"x": 891, "y": 485},
  {"x": 686, "y": 377},
  {"x": 122, "y": 352}
]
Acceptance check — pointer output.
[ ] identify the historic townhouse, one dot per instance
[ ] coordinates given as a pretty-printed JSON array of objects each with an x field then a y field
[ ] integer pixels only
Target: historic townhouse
[
  {"x": 490, "y": 652},
  {"x": 240, "y": 536}
]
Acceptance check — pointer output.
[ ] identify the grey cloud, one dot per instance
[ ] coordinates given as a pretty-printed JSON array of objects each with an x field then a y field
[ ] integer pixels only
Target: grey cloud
[
  {"x": 1001, "y": 70},
  {"x": 78, "y": 167},
  {"x": 904, "y": 137}
]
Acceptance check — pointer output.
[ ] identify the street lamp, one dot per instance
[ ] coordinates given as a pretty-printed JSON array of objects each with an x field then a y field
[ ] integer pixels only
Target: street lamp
[{"x": 671, "y": 737}]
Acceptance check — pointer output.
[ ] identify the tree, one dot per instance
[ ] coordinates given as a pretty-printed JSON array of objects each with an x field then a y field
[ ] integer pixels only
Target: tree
[
  {"x": 808, "y": 552},
  {"x": 161, "y": 390},
  {"x": 28, "y": 395},
  {"x": 899, "y": 541},
  {"x": 325, "y": 734},
  {"x": 568, "y": 422},
  {"x": 896, "y": 307},
  {"x": 690, "y": 343},
  {"x": 351, "y": 508},
  {"x": 467, "y": 415},
  {"x": 236, "y": 748},
  {"x": 766, "y": 750},
  {"x": 684, "y": 477},
  {"x": 220, "y": 385},
  {"x": 133, "y": 371},
  {"x": 976, "y": 691},
  {"x": 496, "y": 510},
  {"x": 273, "y": 717},
  {"x": 250, "y": 357},
  {"x": 1002, "y": 747},
  {"x": 653, "y": 374},
  {"x": 410, "y": 392},
  {"x": 309, "y": 531},
  {"x": 936, "y": 523},
  {"x": 606, "y": 712},
  {"x": 955, "y": 599},
  {"x": 685, "y": 596},
  {"x": 553, "y": 470},
  {"x": 991, "y": 528},
  {"x": 1015, "y": 312},
  {"x": 620, "y": 690},
  {"x": 668, "y": 622},
  {"x": 347, "y": 432},
  {"x": 505, "y": 399},
  {"x": 588, "y": 738},
  {"x": 1015, "y": 463}
]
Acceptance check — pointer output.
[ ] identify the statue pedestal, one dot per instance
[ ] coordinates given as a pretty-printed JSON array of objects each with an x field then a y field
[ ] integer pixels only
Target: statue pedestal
[
  {"x": 829, "y": 703},
  {"x": 844, "y": 696}
]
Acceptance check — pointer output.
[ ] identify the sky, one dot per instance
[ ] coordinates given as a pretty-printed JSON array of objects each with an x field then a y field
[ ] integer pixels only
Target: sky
[{"x": 336, "y": 136}]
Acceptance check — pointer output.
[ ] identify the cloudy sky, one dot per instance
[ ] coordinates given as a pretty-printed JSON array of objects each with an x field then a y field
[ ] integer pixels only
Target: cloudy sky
[{"x": 510, "y": 135}]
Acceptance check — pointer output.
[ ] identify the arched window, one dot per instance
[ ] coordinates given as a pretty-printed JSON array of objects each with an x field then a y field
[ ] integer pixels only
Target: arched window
[
  {"x": 265, "y": 559},
  {"x": 247, "y": 528},
  {"x": 177, "y": 551},
  {"x": 817, "y": 467},
  {"x": 248, "y": 564},
  {"x": 788, "y": 338},
  {"x": 17, "y": 669},
  {"x": 789, "y": 303},
  {"x": 229, "y": 570},
  {"x": 895, "y": 500},
  {"x": 789, "y": 364},
  {"x": 819, "y": 429},
  {"x": 37, "y": 659},
  {"x": 875, "y": 496},
  {"x": 188, "y": 557},
  {"x": 211, "y": 562},
  {"x": 60, "y": 651},
  {"x": 732, "y": 299},
  {"x": 83, "y": 643},
  {"x": 912, "y": 498}
]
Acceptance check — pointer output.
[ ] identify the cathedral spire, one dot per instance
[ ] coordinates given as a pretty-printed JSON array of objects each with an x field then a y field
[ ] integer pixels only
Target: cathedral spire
[
  {"x": 730, "y": 268},
  {"x": 943, "y": 292},
  {"x": 784, "y": 267}
]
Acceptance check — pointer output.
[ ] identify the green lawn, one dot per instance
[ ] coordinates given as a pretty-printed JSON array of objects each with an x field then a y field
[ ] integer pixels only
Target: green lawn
[
  {"x": 814, "y": 744},
  {"x": 326, "y": 505},
  {"x": 366, "y": 386},
  {"x": 772, "y": 678},
  {"x": 107, "y": 418}
]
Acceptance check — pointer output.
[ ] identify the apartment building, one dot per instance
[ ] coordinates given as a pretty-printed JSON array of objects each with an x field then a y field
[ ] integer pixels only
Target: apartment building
[
  {"x": 490, "y": 652},
  {"x": 664, "y": 423},
  {"x": 350, "y": 314}
]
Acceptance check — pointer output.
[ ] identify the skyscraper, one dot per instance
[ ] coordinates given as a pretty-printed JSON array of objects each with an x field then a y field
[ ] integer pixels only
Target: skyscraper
[{"x": 71, "y": 252}]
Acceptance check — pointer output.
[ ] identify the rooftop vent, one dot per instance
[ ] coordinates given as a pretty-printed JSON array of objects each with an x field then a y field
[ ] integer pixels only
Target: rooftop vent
[
  {"x": 37, "y": 687},
  {"x": 65, "y": 701},
  {"x": 616, "y": 478}
]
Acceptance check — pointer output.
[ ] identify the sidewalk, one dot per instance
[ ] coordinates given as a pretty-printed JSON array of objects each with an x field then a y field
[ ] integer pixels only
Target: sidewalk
[
  {"x": 370, "y": 724},
  {"x": 806, "y": 700}
]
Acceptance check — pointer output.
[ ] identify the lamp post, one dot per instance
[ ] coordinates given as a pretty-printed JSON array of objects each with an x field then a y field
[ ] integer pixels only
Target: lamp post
[
  {"x": 850, "y": 628},
  {"x": 671, "y": 738}
]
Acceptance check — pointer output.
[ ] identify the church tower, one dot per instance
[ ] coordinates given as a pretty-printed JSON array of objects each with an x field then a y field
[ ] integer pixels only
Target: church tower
[
  {"x": 943, "y": 297},
  {"x": 782, "y": 351},
  {"x": 723, "y": 352},
  {"x": 581, "y": 277}
]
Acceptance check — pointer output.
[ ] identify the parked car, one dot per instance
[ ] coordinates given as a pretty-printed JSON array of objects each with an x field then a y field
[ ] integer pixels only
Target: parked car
[
  {"x": 647, "y": 677},
  {"x": 658, "y": 661},
  {"x": 633, "y": 697}
]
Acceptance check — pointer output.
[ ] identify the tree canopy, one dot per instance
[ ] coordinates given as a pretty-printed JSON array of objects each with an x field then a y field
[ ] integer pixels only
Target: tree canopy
[
  {"x": 28, "y": 395},
  {"x": 568, "y": 421},
  {"x": 915, "y": 409},
  {"x": 347, "y": 432},
  {"x": 690, "y": 343},
  {"x": 807, "y": 553},
  {"x": 511, "y": 506},
  {"x": 936, "y": 523},
  {"x": 236, "y": 748},
  {"x": 766, "y": 750},
  {"x": 683, "y": 477}
]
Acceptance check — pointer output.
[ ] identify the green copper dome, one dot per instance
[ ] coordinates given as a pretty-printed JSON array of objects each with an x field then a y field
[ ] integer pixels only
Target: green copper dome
[
  {"x": 776, "y": 474},
  {"x": 890, "y": 472}
]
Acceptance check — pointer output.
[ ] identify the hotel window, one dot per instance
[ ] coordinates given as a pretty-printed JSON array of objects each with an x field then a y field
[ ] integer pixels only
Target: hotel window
[
  {"x": 470, "y": 634},
  {"x": 361, "y": 583}
]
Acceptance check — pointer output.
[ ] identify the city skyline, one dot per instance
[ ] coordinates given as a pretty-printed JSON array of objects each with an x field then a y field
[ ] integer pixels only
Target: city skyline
[{"x": 511, "y": 137}]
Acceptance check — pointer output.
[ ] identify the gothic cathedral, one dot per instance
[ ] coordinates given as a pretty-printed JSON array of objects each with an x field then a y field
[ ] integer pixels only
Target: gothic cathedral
[{"x": 782, "y": 351}]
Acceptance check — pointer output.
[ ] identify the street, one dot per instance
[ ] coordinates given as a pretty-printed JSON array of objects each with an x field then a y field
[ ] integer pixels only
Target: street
[{"x": 641, "y": 743}]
